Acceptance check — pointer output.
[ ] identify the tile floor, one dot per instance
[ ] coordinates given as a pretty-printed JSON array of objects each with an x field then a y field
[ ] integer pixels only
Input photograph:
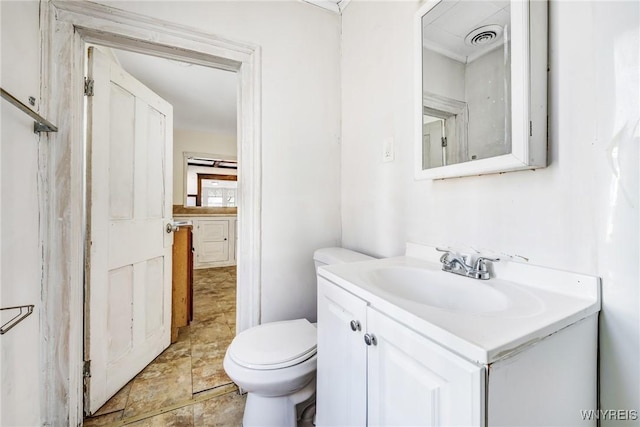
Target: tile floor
[{"x": 186, "y": 385}]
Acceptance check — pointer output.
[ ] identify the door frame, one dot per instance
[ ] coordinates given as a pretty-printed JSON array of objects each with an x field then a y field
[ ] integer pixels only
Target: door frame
[{"x": 66, "y": 26}]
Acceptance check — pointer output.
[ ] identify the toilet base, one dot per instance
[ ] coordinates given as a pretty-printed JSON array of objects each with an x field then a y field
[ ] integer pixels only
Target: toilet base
[{"x": 281, "y": 411}]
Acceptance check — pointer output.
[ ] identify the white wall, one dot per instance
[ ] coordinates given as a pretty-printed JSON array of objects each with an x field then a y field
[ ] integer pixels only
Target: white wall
[
  {"x": 442, "y": 75},
  {"x": 188, "y": 141},
  {"x": 300, "y": 133},
  {"x": 20, "y": 256},
  {"x": 613, "y": 97},
  {"x": 580, "y": 213},
  {"x": 485, "y": 95}
]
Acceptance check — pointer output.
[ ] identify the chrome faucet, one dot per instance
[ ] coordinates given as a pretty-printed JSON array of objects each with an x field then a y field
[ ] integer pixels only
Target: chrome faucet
[{"x": 457, "y": 264}]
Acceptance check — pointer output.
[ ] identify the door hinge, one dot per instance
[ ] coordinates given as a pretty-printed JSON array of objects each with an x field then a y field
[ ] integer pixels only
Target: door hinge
[
  {"x": 88, "y": 87},
  {"x": 444, "y": 141},
  {"x": 530, "y": 128},
  {"x": 86, "y": 369}
]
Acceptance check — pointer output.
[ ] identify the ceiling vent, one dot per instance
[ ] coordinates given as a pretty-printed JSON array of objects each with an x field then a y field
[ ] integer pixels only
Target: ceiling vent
[{"x": 484, "y": 36}]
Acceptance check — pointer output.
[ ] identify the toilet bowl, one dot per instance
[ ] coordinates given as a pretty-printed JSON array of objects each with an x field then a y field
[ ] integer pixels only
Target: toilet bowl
[{"x": 275, "y": 363}]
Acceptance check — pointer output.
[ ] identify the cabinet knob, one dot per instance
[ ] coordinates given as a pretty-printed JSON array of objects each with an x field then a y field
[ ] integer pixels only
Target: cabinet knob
[
  {"x": 370, "y": 339},
  {"x": 355, "y": 325}
]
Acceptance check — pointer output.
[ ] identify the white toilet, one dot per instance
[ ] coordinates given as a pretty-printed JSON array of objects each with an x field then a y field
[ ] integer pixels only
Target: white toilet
[{"x": 275, "y": 363}]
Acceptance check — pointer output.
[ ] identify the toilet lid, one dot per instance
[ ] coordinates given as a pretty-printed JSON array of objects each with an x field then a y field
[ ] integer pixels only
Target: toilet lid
[{"x": 274, "y": 345}]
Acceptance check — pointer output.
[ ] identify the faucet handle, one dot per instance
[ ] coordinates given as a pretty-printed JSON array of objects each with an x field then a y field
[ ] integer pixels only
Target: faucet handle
[
  {"x": 449, "y": 256},
  {"x": 445, "y": 256},
  {"x": 481, "y": 263}
]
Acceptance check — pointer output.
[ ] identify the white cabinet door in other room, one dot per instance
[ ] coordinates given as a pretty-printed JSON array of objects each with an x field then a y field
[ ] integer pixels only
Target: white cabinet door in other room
[{"x": 213, "y": 241}]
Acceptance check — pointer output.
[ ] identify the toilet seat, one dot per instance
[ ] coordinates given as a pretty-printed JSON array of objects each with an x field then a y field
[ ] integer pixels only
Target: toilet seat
[{"x": 274, "y": 345}]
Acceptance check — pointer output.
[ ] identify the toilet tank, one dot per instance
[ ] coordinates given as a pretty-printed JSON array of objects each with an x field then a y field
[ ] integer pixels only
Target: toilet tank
[{"x": 328, "y": 256}]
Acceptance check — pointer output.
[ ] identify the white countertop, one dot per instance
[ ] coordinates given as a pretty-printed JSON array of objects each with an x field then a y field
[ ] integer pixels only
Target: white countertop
[{"x": 541, "y": 302}]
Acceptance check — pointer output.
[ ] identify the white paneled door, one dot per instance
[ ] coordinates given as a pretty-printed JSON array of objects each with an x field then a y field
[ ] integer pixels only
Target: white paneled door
[{"x": 128, "y": 292}]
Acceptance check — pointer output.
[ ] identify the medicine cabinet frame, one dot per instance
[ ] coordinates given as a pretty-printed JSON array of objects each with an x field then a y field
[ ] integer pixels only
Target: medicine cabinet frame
[{"x": 529, "y": 23}]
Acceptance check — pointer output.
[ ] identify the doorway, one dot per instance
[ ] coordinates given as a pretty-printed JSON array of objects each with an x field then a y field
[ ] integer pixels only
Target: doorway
[
  {"x": 69, "y": 25},
  {"x": 204, "y": 112}
]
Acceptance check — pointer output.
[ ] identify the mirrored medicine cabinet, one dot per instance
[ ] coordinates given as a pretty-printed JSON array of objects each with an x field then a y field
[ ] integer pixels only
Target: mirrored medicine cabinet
[{"x": 481, "y": 87}]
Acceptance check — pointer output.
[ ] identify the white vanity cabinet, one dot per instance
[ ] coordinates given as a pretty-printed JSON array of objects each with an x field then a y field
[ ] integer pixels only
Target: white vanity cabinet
[
  {"x": 214, "y": 241},
  {"x": 394, "y": 377},
  {"x": 387, "y": 360}
]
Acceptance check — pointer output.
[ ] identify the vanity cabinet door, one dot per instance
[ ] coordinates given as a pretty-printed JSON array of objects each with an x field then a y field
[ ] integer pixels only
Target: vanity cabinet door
[
  {"x": 214, "y": 241},
  {"x": 413, "y": 381},
  {"x": 342, "y": 357}
]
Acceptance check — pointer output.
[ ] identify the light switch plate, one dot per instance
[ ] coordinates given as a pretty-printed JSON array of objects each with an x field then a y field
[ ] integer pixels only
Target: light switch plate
[{"x": 387, "y": 149}]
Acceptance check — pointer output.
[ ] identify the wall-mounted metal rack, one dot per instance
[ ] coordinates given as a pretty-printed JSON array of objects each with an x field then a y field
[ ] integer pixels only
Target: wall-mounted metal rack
[
  {"x": 41, "y": 124},
  {"x": 24, "y": 311}
]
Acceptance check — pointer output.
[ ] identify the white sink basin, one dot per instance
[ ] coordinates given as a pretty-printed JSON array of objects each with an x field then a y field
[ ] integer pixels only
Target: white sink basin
[
  {"x": 483, "y": 320},
  {"x": 439, "y": 289}
]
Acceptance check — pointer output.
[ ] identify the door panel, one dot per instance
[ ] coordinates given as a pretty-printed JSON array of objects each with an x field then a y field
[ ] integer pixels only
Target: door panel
[
  {"x": 154, "y": 308},
  {"x": 156, "y": 128},
  {"x": 214, "y": 252},
  {"x": 125, "y": 249},
  {"x": 128, "y": 292},
  {"x": 214, "y": 230},
  {"x": 121, "y": 152},
  {"x": 213, "y": 236},
  {"x": 120, "y": 311},
  {"x": 342, "y": 358},
  {"x": 413, "y": 381}
]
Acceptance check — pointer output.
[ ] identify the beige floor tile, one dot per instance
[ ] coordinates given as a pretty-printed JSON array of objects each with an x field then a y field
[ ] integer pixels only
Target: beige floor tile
[
  {"x": 182, "y": 417},
  {"x": 181, "y": 348},
  {"x": 210, "y": 314},
  {"x": 207, "y": 368},
  {"x": 213, "y": 327},
  {"x": 223, "y": 411},
  {"x": 208, "y": 378},
  {"x": 160, "y": 384},
  {"x": 102, "y": 420},
  {"x": 219, "y": 334},
  {"x": 117, "y": 402}
]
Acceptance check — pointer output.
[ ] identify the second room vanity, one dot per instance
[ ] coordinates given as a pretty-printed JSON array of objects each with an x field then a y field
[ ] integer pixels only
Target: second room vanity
[{"x": 214, "y": 235}]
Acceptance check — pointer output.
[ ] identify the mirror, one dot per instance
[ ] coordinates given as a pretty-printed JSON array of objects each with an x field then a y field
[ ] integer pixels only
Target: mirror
[{"x": 481, "y": 86}]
